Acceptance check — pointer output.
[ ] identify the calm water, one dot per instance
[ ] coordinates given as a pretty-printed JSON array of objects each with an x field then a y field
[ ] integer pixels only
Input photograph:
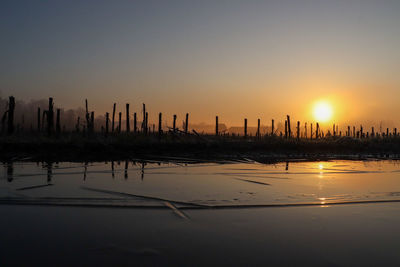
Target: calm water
[
  {"x": 151, "y": 234},
  {"x": 208, "y": 184}
]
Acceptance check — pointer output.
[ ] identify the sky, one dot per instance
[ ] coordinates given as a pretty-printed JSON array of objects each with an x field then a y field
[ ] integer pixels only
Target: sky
[{"x": 234, "y": 59}]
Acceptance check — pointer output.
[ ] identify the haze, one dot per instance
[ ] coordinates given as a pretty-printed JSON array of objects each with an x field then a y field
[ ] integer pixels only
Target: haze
[{"x": 234, "y": 59}]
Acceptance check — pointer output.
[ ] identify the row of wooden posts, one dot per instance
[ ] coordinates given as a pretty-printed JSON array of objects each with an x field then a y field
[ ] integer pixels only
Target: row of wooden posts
[{"x": 47, "y": 117}]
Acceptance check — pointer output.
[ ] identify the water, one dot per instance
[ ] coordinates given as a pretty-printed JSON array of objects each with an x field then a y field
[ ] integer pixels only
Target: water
[
  {"x": 233, "y": 184},
  {"x": 200, "y": 214}
]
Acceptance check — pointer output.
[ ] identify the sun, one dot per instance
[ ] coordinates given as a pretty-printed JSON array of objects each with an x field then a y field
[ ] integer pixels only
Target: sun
[{"x": 322, "y": 111}]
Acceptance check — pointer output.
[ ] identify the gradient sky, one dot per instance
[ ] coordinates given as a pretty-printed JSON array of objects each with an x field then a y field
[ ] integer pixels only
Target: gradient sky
[{"x": 235, "y": 59}]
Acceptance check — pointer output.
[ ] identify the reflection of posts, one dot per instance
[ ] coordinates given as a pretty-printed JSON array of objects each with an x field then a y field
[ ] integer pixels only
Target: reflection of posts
[
  {"x": 142, "y": 176},
  {"x": 126, "y": 170},
  {"x": 10, "y": 172},
  {"x": 287, "y": 166},
  {"x": 49, "y": 171},
  {"x": 112, "y": 170}
]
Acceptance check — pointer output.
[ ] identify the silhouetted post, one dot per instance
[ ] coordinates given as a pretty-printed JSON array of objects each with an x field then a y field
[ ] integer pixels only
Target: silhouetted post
[
  {"x": 348, "y": 131},
  {"x": 311, "y": 131},
  {"x": 91, "y": 122},
  {"x": 317, "y": 131},
  {"x": 119, "y": 122},
  {"x": 174, "y": 124},
  {"x": 286, "y": 130},
  {"x": 38, "y": 119},
  {"x": 128, "y": 127},
  {"x": 298, "y": 129},
  {"x": 272, "y": 127},
  {"x": 144, "y": 126},
  {"x": 10, "y": 121},
  {"x": 58, "y": 123},
  {"x": 288, "y": 125},
  {"x": 245, "y": 127},
  {"x": 258, "y": 128},
  {"x": 107, "y": 120},
  {"x": 216, "y": 126},
  {"x": 134, "y": 123},
  {"x": 395, "y": 131},
  {"x": 361, "y": 131},
  {"x": 387, "y": 132},
  {"x": 372, "y": 132},
  {"x": 87, "y": 115},
  {"x": 50, "y": 117},
  {"x": 334, "y": 130},
  {"x": 186, "y": 123},
  {"x": 147, "y": 122},
  {"x": 160, "y": 123},
  {"x": 113, "y": 117}
]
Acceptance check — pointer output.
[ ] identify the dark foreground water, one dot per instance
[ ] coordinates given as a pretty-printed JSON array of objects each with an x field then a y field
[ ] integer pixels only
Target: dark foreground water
[{"x": 337, "y": 213}]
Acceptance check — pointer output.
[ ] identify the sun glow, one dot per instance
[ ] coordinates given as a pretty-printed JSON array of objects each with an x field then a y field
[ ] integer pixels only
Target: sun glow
[{"x": 322, "y": 111}]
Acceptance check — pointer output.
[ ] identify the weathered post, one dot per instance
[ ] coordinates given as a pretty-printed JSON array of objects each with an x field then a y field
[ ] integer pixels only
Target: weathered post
[
  {"x": 10, "y": 121},
  {"x": 144, "y": 127},
  {"x": 245, "y": 127},
  {"x": 128, "y": 126},
  {"x": 119, "y": 122},
  {"x": 147, "y": 122},
  {"x": 288, "y": 124},
  {"x": 334, "y": 130},
  {"x": 134, "y": 122},
  {"x": 395, "y": 131},
  {"x": 348, "y": 131},
  {"x": 298, "y": 130},
  {"x": 372, "y": 132},
  {"x": 160, "y": 123},
  {"x": 361, "y": 131},
  {"x": 50, "y": 117},
  {"x": 387, "y": 132},
  {"x": 87, "y": 115},
  {"x": 38, "y": 119},
  {"x": 272, "y": 127},
  {"x": 187, "y": 123},
  {"x": 58, "y": 122},
  {"x": 317, "y": 131},
  {"x": 286, "y": 129},
  {"x": 216, "y": 126},
  {"x": 354, "y": 131},
  {"x": 107, "y": 120},
  {"x": 258, "y": 128},
  {"x": 174, "y": 124},
  {"x": 311, "y": 131},
  {"x": 113, "y": 118}
]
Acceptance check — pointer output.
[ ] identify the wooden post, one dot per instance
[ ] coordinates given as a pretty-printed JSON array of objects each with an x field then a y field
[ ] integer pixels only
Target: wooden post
[
  {"x": 317, "y": 131},
  {"x": 272, "y": 127},
  {"x": 92, "y": 122},
  {"x": 298, "y": 129},
  {"x": 245, "y": 127},
  {"x": 372, "y": 132},
  {"x": 334, "y": 130},
  {"x": 87, "y": 115},
  {"x": 311, "y": 131},
  {"x": 107, "y": 120},
  {"x": 187, "y": 123},
  {"x": 38, "y": 119},
  {"x": 50, "y": 117},
  {"x": 361, "y": 131},
  {"x": 58, "y": 123},
  {"x": 147, "y": 122},
  {"x": 144, "y": 126},
  {"x": 348, "y": 131},
  {"x": 174, "y": 123},
  {"x": 10, "y": 121},
  {"x": 258, "y": 128},
  {"x": 134, "y": 123},
  {"x": 160, "y": 123},
  {"x": 288, "y": 124},
  {"x": 113, "y": 118},
  {"x": 286, "y": 129},
  {"x": 216, "y": 126},
  {"x": 128, "y": 126},
  {"x": 119, "y": 122},
  {"x": 395, "y": 131}
]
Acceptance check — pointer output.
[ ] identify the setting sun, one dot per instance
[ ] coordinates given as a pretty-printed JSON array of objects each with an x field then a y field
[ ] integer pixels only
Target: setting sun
[{"x": 322, "y": 111}]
